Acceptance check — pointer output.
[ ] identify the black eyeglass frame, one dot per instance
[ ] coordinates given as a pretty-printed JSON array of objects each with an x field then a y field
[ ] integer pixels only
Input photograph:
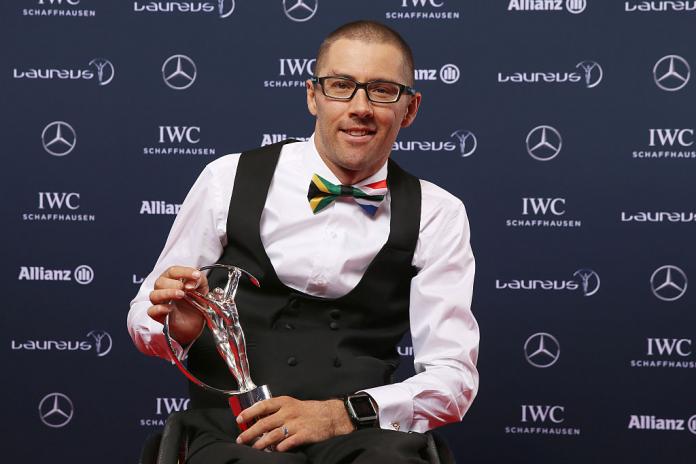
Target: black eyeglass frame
[{"x": 403, "y": 89}]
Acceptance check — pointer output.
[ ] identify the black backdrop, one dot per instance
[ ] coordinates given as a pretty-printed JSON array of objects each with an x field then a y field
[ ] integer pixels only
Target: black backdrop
[{"x": 95, "y": 163}]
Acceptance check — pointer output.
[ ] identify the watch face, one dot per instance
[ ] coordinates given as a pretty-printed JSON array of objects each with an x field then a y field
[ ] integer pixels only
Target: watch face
[{"x": 363, "y": 407}]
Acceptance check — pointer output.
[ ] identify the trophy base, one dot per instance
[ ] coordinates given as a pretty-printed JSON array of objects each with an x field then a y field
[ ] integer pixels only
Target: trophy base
[{"x": 240, "y": 401}]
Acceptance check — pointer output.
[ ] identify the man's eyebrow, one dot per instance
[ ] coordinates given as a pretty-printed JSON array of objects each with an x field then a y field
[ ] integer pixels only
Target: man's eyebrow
[{"x": 335, "y": 73}]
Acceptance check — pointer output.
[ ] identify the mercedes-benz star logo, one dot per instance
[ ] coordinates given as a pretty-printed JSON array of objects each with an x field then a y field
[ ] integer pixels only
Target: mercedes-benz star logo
[
  {"x": 102, "y": 342},
  {"x": 300, "y": 10},
  {"x": 58, "y": 138},
  {"x": 671, "y": 73},
  {"x": 542, "y": 350},
  {"x": 55, "y": 410},
  {"x": 105, "y": 70},
  {"x": 544, "y": 143},
  {"x": 592, "y": 73},
  {"x": 589, "y": 280},
  {"x": 179, "y": 72},
  {"x": 668, "y": 283},
  {"x": 467, "y": 142}
]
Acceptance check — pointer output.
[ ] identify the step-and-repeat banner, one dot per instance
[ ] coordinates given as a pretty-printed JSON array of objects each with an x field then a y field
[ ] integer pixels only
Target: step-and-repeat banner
[{"x": 566, "y": 127}]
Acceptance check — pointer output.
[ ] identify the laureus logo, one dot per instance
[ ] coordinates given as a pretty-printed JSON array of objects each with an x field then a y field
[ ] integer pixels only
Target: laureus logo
[
  {"x": 467, "y": 142},
  {"x": 592, "y": 73},
  {"x": 102, "y": 342},
  {"x": 105, "y": 70}
]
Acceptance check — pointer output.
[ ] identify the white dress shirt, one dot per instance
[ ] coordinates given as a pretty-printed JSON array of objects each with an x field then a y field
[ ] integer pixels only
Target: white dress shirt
[{"x": 325, "y": 255}]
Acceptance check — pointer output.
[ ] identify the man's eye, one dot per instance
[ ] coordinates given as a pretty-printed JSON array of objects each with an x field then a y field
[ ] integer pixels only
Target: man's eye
[
  {"x": 341, "y": 85},
  {"x": 385, "y": 89}
]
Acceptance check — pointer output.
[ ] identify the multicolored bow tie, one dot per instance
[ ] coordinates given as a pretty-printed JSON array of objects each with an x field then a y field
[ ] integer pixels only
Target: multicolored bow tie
[{"x": 322, "y": 193}]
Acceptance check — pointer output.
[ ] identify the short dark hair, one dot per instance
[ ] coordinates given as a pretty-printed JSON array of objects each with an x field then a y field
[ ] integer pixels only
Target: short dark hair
[{"x": 370, "y": 31}]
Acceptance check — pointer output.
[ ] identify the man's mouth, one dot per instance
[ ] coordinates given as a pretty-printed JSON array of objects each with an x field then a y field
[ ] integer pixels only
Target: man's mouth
[{"x": 358, "y": 132}]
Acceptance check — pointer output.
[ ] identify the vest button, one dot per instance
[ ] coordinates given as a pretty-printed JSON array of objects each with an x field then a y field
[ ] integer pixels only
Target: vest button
[
  {"x": 335, "y": 314},
  {"x": 292, "y": 361},
  {"x": 334, "y": 325},
  {"x": 337, "y": 362},
  {"x": 289, "y": 326}
]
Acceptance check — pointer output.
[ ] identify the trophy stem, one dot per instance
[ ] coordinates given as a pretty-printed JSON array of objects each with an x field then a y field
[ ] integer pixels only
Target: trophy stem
[{"x": 242, "y": 400}]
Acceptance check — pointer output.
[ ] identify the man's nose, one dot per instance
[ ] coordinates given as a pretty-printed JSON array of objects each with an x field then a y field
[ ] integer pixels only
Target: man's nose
[{"x": 360, "y": 105}]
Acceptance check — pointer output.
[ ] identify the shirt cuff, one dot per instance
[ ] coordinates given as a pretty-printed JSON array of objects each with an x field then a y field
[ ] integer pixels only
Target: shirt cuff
[{"x": 395, "y": 406}]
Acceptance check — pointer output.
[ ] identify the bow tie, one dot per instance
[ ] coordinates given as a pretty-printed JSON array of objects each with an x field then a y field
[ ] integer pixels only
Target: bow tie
[{"x": 322, "y": 193}]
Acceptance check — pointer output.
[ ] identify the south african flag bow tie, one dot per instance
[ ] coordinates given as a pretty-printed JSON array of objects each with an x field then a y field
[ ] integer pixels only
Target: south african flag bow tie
[{"x": 322, "y": 193}]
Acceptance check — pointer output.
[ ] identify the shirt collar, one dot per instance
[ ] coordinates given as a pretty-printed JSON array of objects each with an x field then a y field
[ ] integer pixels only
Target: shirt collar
[{"x": 315, "y": 165}]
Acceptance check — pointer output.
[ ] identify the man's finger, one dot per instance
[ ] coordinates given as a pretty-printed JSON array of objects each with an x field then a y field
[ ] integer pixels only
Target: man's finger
[
  {"x": 260, "y": 409},
  {"x": 166, "y": 282},
  {"x": 159, "y": 312},
  {"x": 292, "y": 441},
  {"x": 271, "y": 438},
  {"x": 263, "y": 425},
  {"x": 182, "y": 272},
  {"x": 165, "y": 295}
]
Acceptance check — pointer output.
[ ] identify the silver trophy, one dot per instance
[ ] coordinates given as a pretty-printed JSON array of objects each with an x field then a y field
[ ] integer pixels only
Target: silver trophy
[{"x": 220, "y": 312}]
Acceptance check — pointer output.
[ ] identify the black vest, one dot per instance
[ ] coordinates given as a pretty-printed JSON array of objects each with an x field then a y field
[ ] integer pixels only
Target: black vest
[{"x": 300, "y": 345}]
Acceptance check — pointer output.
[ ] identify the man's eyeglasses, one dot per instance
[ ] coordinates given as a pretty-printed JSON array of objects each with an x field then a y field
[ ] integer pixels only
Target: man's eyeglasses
[{"x": 344, "y": 88}]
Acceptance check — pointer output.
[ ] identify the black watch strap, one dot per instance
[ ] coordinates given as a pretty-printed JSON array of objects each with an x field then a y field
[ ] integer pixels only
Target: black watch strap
[{"x": 362, "y": 410}]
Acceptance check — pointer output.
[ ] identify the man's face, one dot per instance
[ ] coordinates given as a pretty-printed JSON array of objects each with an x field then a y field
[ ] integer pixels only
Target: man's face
[{"x": 355, "y": 137}]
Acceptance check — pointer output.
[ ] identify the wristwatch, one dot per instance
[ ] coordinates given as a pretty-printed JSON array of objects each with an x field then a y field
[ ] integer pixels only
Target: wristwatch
[{"x": 362, "y": 410}]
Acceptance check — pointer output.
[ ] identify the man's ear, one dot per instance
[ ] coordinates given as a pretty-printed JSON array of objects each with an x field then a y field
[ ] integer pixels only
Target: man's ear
[
  {"x": 411, "y": 110},
  {"x": 311, "y": 102}
]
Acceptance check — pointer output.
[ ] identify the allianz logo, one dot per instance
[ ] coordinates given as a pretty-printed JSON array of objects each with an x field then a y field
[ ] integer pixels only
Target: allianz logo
[
  {"x": 660, "y": 6},
  {"x": 102, "y": 69},
  {"x": 646, "y": 422},
  {"x": 585, "y": 280},
  {"x": 98, "y": 340},
  {"x": 155, "y": 207},
  {"x": 658, "y": 216},
  {"x": 268, "y": 139},
  {"x": 572, "y": 6},
  {"x": 224, "y": 8},
  {"x": 82, "y": 274}
]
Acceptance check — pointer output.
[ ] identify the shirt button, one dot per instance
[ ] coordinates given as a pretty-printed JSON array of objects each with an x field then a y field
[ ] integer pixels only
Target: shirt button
[
  {"x": 334, "y": 325},
  {"x": 289, "y": 326},
  {"x": 292, "y": 361}
]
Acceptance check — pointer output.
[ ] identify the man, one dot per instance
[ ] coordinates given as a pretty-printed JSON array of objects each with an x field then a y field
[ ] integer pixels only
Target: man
[{"x": 342, "y": 277}]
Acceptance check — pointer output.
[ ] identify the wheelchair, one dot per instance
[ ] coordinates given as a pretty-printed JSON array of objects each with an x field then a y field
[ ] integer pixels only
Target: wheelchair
[{"x": 170, "y": 446}]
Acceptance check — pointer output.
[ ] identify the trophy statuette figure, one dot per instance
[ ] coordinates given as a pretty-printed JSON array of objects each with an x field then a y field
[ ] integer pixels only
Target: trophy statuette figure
[{"x": 219, "y": 310}]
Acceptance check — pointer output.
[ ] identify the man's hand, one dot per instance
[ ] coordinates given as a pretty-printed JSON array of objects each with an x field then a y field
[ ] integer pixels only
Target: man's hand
[
  {"x": 185, "y": 322},
  {"x": 305, "y": 422}
]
